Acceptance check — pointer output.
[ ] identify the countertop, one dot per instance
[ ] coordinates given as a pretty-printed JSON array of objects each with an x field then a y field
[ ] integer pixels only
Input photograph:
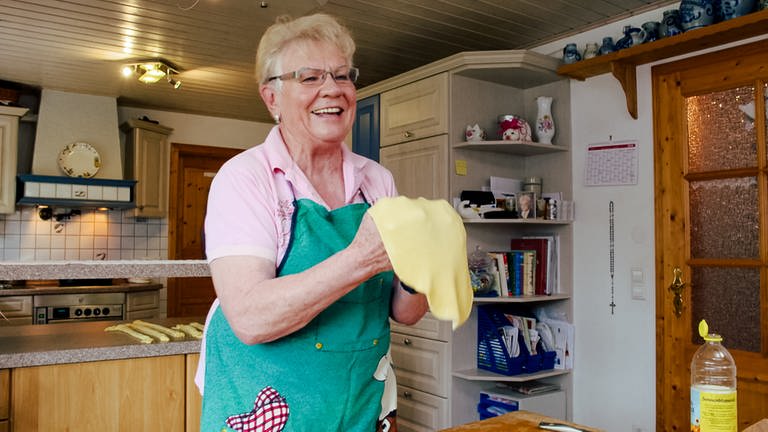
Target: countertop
[
  {"x": 39, "y": 290},
  {"x": 518, "y": 421},
  {"x": 37, "y": 270},
  {"x": 38, "y": 345}
]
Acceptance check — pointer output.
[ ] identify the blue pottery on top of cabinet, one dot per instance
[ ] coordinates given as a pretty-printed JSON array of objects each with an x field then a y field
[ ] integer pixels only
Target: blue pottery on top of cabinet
[
  {"x": 632, "y": 36},
  {"x": 696, "y": 13},
  {"x": 727, "y": 9},
  {"x": 670, "y": 23}
]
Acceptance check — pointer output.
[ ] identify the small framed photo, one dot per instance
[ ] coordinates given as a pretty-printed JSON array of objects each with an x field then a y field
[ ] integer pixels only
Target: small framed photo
[{"x": 526, "y": 205}]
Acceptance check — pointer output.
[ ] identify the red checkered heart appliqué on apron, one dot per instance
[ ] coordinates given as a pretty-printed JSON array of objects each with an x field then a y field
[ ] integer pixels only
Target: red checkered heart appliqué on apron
[{"x": 269, "y": 414}]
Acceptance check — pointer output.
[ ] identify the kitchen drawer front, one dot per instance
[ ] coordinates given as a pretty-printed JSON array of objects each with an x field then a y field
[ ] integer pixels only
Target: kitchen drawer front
[
  {"x": 414, "y": 111},
  {"x": 142, "y": 300},
  {"x": 142, "y": 314},
  {"x": 16, "y": 306},
  {"x": 421, "y": 363},
  {"x": 420, "y": 412},
  {"x": 428, "y": 327}
]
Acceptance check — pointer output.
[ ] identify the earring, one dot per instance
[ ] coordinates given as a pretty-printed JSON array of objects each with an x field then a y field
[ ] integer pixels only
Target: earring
[{"x": 277, "y": 118}]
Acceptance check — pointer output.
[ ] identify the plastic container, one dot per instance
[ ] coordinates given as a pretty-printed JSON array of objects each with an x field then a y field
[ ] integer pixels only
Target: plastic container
[{"x": 713, "y": 386}]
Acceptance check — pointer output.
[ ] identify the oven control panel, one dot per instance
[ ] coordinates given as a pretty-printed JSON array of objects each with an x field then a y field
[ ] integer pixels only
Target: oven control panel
[{"x": 49, "y": 314}]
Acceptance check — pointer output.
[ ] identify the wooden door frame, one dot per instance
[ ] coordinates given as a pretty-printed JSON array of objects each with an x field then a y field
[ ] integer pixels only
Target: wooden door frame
[{"x": 670, "y": 207}]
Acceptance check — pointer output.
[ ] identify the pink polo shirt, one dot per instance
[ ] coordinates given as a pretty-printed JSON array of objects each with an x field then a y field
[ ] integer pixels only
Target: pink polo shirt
[
  {"x": 251, "y": 199},
  {"x": 250, "y": 204}
]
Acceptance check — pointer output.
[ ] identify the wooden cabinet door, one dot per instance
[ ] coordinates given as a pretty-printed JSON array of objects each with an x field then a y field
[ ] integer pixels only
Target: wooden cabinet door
[
  {"x": 151, "y": 168},
  {"x": 712, "y": 224},
  {"x": 5, "y": 379},
  {"x": 414, "y": 111},
  {"x": 420, "y": 168},
  {"x": 9, "y": 126},
  {"x": 138, "y": 395},
  {"x": 194, "y": 401}
]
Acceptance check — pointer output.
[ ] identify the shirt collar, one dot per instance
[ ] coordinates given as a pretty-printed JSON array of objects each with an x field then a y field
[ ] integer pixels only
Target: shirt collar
[{"x": 280, "y": 160}]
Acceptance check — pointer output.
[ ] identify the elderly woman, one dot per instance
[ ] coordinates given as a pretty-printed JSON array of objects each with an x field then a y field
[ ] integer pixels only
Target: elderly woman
[{"x": 298, "y": 338}]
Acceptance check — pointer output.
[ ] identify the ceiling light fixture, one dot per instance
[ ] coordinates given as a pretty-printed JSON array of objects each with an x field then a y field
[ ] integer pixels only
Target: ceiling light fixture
[{"x": 152, "y": 71}]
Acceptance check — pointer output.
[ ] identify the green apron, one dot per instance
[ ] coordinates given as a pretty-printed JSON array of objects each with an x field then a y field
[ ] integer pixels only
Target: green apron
[{"x": 325, "y": 371}]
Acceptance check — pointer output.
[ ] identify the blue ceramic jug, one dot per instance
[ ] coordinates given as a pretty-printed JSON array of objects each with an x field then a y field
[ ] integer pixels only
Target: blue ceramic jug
[
  {"x": 632, "y": 36},
  {"x": 696, "y": 13},
  {"x": 571, "y": 54},
  {"x": 670, "y": 23},
  {"x": 607, "y": 46},
  {"x": 727, "y": 9}
]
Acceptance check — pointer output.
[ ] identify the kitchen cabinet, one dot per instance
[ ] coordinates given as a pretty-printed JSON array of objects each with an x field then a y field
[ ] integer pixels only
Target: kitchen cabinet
[
  {"x": 194, "y": 401},
  {"x": 142, "y": 305},
  {"x": 147, "y": 156},
  {"x": 5, "y": 392},
  {"x": 414, "y": 111},
  {"x": 141, "y": 394},
  {"x": 419, "y": 167},
  {"x": 466, "y": 89},
  {"x": 17, "y": 310},
  {"x": 9, "y": 149}
]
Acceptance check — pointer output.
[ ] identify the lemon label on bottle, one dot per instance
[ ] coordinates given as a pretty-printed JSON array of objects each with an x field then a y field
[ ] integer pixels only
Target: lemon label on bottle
[{"x": 713, "y": 409}]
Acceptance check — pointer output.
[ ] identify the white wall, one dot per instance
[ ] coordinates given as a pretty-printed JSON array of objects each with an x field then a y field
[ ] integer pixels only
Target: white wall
[
  {"x": 203, "y": 130},
  {"x": 614, "y": 376}
]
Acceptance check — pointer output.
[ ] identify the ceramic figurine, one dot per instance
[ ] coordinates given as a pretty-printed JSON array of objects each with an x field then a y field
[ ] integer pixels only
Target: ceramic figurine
[
  {"x": 607, "y": 46},
  {"x": 670, "y": 24},
  {"x": 475, "y": 133},
  {"x": 571, "y": 54},
  {"x": 696, "y": 13},
  {"x": 590, "y": 51},
  {"x": 514, "y": 128},
  {"x": 545, "y": 126}
]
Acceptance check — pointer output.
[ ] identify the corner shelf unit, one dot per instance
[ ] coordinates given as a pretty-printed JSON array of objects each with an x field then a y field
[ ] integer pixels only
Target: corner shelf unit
[{"x": 622, "y": 64}]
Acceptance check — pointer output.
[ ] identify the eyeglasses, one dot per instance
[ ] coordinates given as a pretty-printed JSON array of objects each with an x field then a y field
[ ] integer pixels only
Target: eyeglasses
[{"x": 307, "y": 76}]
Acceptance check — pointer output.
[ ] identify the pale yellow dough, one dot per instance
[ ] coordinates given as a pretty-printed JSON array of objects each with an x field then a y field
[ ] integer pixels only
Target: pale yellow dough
[{"x": 427, "y": 245}]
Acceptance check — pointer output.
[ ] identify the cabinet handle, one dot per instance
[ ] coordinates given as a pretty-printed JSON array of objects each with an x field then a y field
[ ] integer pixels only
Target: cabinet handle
[
  {"x": 407, "y": 394},
  {"x": 407, "y": 134},
  {"x": 407, "y": 341}
]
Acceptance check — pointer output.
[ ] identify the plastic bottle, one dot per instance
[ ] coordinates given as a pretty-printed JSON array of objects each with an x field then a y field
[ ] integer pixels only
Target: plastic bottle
[{"x": 713, "y": 386}]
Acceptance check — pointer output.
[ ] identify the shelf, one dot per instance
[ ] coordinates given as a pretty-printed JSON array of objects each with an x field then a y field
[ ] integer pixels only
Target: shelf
[
  {"x": 518, "y": 221},
  {"x": 522, "y": 148},
  {"x": 520, "y": 299},
  {"x": 622, "y": 63},
  {"x": 484, "y": 375}
]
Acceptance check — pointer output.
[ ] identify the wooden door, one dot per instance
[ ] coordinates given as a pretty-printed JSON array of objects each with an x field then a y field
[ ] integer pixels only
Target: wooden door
[
  {"x": 192, "y": 170},
  {"x": 711, "y": 195}
]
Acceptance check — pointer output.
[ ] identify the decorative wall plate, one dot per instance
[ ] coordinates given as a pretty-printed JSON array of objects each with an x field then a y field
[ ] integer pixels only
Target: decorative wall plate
[{"x": 79, "y": 160}]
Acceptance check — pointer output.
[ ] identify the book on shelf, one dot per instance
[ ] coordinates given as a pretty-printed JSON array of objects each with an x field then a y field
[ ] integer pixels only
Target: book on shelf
[
  {"x": 541, "y": 248},
  {"x": 503, "y": 272},
  {"x": 552, "y": 261},
  {"x": 522, "y": 265}
]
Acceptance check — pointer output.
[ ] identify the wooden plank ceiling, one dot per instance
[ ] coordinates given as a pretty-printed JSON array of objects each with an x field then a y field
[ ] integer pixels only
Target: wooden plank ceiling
[{"x": 80, "y": 45}]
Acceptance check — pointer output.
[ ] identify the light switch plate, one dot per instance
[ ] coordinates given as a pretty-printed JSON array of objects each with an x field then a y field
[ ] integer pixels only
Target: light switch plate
[{"x": 637, "y": 283}]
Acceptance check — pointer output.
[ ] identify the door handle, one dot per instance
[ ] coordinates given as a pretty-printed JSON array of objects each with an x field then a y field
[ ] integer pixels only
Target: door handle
[{"x": 677, "y": 289}]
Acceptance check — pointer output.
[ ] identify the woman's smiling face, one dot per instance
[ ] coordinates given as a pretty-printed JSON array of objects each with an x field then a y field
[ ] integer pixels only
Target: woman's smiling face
[{"x": 313, "y": 113}]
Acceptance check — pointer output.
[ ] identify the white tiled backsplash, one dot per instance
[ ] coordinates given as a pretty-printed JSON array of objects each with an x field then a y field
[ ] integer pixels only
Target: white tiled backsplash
[{"x": 94, "y": 234}]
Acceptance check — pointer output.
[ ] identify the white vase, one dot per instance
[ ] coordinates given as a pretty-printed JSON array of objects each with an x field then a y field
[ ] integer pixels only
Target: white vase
[{"x": 545, "y": 125}]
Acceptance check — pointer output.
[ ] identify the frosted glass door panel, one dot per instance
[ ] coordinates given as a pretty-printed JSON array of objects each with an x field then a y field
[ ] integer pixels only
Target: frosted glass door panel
[
  {"x": 729, "y": 299},
  {"x": 724, "y": 218},
  {"x": 720, "y": 135}
]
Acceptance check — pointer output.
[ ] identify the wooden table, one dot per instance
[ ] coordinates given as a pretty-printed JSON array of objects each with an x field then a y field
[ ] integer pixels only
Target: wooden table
[{"x": 518, "y": 421}]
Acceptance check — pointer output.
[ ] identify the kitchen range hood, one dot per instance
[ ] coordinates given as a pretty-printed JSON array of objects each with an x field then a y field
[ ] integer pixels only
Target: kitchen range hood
[{"x": 77, "y": 157}]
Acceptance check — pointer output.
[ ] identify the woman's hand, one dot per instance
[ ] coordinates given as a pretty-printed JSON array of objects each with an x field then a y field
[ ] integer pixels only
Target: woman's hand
[{"x": 369, "y": 248}]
